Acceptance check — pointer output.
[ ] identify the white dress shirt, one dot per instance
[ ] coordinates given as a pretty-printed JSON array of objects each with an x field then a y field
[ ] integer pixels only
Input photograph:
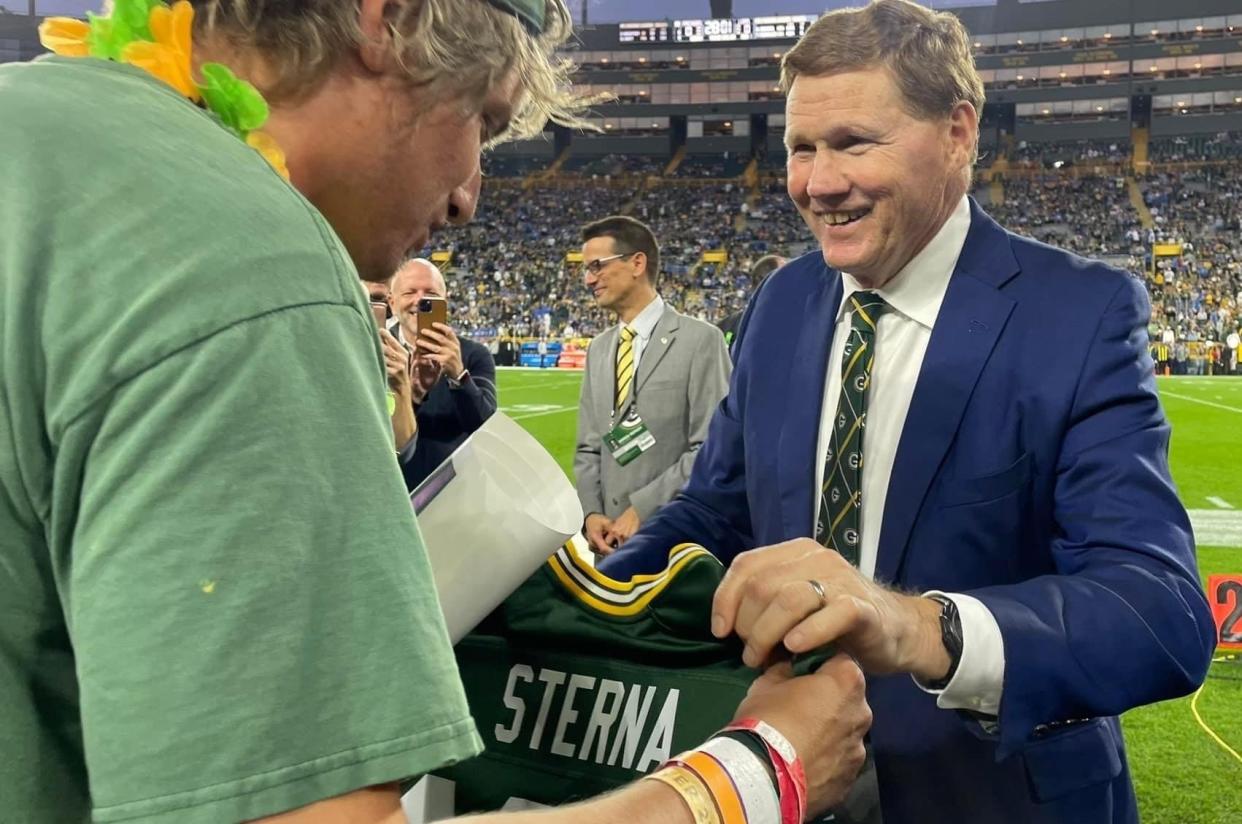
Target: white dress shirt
[{"x": 902, "y": 335}]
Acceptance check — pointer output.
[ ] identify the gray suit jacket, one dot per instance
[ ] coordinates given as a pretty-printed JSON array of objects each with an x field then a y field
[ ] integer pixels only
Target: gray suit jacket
[{"x": 682, "y": 377}]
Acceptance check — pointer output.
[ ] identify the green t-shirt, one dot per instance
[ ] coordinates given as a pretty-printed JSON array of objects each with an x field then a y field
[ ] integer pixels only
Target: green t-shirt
[{"x": 214, "y": 601}]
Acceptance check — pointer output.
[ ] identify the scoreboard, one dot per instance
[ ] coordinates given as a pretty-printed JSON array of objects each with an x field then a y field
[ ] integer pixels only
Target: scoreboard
[
  {"x": 644, "y": 33},
  {"x": 718, "y": 30},
  {"x": 784, "y": 27}
]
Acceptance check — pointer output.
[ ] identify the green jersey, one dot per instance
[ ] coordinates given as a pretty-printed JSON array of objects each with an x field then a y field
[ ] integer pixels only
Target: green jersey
[
  {"x": 214, "y": 601},
  {"x": 580, "y": 683}
]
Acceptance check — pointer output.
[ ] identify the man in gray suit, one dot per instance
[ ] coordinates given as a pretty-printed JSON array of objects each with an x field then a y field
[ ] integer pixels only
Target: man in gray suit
[{"x": 649, "y": 390}]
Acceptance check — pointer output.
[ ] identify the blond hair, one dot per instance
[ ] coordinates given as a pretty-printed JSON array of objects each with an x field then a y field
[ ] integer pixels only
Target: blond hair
[
  {"x": 927, "y": 53},
  {"x": 454, "y": 48}
]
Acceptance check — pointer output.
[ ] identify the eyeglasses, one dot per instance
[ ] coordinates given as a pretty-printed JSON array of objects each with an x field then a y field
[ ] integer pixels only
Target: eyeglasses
[{"x": 595, "y": 266}]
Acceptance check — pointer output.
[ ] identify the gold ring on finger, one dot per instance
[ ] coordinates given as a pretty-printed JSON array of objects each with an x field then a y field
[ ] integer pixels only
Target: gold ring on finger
[{"x": 819, "y": 592}]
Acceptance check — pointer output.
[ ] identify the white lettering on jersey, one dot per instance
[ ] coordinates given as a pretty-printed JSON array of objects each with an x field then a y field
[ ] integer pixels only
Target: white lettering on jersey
[
  {"x": 512, "y": 702},
  {"x": 553, "y": 679},
  {"x": 569, "y": 714},
  {"x": 633, "y": 719},
  {"x": 617, "y": 725},
  {"x": 660, "y": 743},
  {"x": 601, "y": 720}
]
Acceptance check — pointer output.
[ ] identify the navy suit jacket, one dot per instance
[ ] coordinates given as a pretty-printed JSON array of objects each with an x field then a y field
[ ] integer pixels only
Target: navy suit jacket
[
  {"x": 1032, "y": 473},
  {"x": 448, "y": 416}
]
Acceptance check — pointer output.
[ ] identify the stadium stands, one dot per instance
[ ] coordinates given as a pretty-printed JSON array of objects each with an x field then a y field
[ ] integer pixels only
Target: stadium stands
[
  {"x": 1112, "y": 129},
  {"x": 514, "y": 267}
]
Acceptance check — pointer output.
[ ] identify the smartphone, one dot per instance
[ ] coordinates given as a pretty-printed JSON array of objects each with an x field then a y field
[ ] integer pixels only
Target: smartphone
[
  {"x": 380, "y": 310},
  {"x": 430, "y": 311}
]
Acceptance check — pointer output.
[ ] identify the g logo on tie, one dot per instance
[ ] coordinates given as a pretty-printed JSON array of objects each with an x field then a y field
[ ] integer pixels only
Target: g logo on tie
[
  {"x": 853, "y": 460},
  {"x": 835, "y": 495},
  {"x": 860, "y": 383},
  {"x": 851, "y": 537}
]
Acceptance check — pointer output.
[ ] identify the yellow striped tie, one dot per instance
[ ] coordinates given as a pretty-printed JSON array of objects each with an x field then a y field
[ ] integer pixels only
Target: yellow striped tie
[{"x": 625, "y": 366}]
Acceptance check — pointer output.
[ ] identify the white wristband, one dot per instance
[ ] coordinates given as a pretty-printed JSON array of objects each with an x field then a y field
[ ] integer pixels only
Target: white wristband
[
  {"x": 750, "y": 775},
  {"x": 774, "y": 739}
]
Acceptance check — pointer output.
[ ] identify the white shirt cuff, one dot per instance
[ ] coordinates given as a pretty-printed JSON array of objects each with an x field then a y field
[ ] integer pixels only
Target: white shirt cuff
[
  {"x": 980, "y": 676},
  {"x": 406, "y": 453}
]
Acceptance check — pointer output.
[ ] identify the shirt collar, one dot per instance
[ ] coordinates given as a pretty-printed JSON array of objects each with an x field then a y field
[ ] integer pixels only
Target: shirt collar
[
  {"x": 919, "y": 288},
  {"x": 397, "y": 331},
  {"x": 647, "y": 319}
]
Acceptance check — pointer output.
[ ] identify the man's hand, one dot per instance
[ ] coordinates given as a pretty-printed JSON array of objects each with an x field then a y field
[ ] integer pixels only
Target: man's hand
[
  {"x": 623, "y": 527},
  {"x": 824, "y": 715},
  {"x": 767, "y": 599},
  {"x": 396, "y": 364},
  {"x": 597, "y": 527},
  {"x": 424, "y": 374},
  {"x": 440, "y": 344}
]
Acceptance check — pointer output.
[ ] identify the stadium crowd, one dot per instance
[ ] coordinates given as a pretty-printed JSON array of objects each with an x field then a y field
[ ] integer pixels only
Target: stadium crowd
[
  {"x": 1089, "y": 215},
  {"x": 513, "y": 272},
  {"x": 1060, "y": 153},
  {"x": 1225, "y": 146}
]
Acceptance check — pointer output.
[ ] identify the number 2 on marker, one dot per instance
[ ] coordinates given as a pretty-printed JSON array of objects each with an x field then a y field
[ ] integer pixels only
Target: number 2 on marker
[{"x": 1225, "y": 593}]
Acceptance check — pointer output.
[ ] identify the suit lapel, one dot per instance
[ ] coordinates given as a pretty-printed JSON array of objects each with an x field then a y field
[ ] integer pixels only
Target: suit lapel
[
  {"x": 655, "y": 350},
  {"x": 972, "y": 316},
  {"x": 605, "y": 389},
  {"x": 801, "y": 407}
]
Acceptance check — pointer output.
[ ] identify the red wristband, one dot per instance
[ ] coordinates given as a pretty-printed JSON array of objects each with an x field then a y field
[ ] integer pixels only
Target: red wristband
[{"x": 790, "y": 775}]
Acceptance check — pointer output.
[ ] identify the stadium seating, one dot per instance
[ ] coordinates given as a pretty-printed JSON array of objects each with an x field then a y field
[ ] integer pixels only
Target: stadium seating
[{"x": 511, "y": 272}]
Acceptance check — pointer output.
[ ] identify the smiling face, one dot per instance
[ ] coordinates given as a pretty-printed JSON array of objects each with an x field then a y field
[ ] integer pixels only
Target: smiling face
[
  {"x": 416, "y": 280},
  {"x": 873, "y": 182},
  {"x": 611, "y": 279}
]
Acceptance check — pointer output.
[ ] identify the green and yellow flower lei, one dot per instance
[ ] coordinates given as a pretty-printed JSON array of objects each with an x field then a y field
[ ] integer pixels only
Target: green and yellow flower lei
[{"x": 156, "y": 37}]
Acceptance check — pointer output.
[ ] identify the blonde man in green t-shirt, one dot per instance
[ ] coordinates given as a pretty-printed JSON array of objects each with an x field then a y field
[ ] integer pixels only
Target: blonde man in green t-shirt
[{"x": 214, "y": 601}]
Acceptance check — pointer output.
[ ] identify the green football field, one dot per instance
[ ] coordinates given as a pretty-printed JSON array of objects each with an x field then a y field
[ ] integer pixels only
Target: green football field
[{"x": 1183, "y": 776}]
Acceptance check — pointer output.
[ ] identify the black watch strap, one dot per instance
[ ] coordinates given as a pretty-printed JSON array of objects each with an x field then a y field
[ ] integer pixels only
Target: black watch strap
[{"x": 951, "y": 636}]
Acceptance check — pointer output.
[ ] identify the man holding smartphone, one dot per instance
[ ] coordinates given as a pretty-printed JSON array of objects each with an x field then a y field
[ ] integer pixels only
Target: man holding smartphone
[{"x": 445, "y": 385}]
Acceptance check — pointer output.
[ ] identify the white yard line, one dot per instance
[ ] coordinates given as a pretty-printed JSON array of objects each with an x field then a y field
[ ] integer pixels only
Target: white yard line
[
  {"x": 1203, "y": 402},
  {"x": 1217, "y": 527},
  {"x": 541, "y": 414},
  {"x": 1219, "y": 503},
  {"x": 540, "y": 387}
]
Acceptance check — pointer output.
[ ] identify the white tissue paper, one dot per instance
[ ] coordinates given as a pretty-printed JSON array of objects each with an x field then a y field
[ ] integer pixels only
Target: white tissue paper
[{"x": 490, "y": 515}]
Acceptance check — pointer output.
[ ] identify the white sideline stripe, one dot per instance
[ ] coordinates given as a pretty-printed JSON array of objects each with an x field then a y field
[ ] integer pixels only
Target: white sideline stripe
[
  {"x": 551, "y": 370},
  {"x": 1217, "y": 527},
  {"x": 1220, "y": 503},
  {"x": 1205, "y": 403},
  {"x": 540, "y": 387},
  {"x": 556, "y": 411}
]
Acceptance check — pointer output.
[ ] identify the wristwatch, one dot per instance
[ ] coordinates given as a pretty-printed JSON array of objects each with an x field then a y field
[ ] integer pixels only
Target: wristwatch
[
  {"x": 456, "y": 382},
  {"x": 950, "y": 636}
]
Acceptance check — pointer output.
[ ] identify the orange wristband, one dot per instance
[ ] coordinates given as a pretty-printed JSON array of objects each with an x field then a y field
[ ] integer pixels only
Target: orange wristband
[
  {"x": 692, "y": 791},
  {"x": 719, "y": 783}
]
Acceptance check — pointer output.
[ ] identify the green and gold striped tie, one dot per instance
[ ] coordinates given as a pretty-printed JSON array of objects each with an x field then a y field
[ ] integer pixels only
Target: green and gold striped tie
[
  {"x": 837, "y": 526},
  {"x": 625, "y": 366}
]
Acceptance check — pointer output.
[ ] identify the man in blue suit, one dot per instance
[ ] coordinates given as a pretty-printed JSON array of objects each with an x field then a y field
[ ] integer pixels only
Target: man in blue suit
[{"x": 1015, "y": 469}]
